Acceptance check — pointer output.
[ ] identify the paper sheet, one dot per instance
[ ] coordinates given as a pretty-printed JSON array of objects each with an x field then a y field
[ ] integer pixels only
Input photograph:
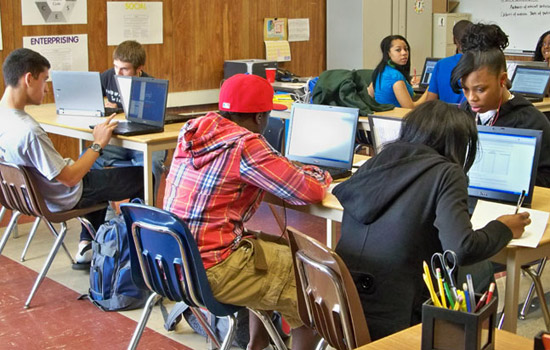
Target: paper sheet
[
  {"x": 140, "y": 21},
  {"x": 65, "y": 52},
  {"x": 53, "y": 12},
  {"x": 298, "y": 29},
  {"x": 487, "y": 211},
  {"x": 277, "y": 50},
  {"x": 275, "y": 29}
]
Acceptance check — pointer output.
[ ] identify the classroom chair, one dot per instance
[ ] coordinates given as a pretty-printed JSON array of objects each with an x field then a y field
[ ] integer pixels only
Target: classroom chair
[
  {"x": 328, "y": 300},
  {"x": 166, "y": 260},
  {"x": 274, "y": 133},
  {"x": 22, "y": 195}
]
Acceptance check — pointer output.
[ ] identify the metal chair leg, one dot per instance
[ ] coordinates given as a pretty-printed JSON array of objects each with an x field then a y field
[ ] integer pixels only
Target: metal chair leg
[
  {"x": 143, "y": 320},
  {"x": 268, "y": 324},
  {"x": 321, "y": 345},
  {"x": 540, "y": 294},
  {"x": 206, "y": 326},
  {"x": 13, "y": 222},
  {"x": 54, "y": 233},
  {"x": 529, "y": 298},
  {"x": 2, "y": 213},
  {"x": 49, "y": 260},
  {"x": 31, "y": 236}
]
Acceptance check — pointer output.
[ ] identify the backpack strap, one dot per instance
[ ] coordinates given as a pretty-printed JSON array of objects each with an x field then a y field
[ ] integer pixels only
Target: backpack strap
[{"x": 174, "y": 317}]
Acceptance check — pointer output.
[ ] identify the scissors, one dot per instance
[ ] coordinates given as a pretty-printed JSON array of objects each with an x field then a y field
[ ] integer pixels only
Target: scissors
[{"x": 448, "y": 263}]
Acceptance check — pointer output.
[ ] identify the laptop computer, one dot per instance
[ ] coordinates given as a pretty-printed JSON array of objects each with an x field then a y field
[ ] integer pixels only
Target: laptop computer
[
  {"x": 124, "y": 84},
  {"x": 511, "y": 66},
  {"x": 323, "y": 136},
  {"x": 506, "y": 164},
  {"x": 383, "y": 130},
  {"x": 531, "y": 82},
  {"x": 144, "y": 103},
  {"x": 427, "y": 71},
  {"x": 79, "y": 94}
]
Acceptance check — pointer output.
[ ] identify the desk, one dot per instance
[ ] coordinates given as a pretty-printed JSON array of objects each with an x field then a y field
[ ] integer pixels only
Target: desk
[
  {"x": 78, "y": 127},
  {"x": 411, "y": 339},
  {"x": 543, "y": 106},
  {"x": 512, "y": 257}
]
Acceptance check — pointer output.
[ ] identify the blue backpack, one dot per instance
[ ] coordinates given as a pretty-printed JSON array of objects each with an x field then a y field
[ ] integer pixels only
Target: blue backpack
[{"x": 111, "y": 285}]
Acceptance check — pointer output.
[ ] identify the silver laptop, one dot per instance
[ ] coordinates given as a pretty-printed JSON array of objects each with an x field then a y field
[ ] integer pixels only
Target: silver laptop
[
  {"x": 78, "y": 93},
  {"x": 531, "y": 82},
  {"x": 384, "y": 130},
  {"x": 323, "y": 136},
  {"x": 144, "y": 102}
]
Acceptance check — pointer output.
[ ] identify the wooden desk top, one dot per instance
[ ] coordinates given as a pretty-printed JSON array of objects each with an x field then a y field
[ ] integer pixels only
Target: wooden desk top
[
  {"x": 411, "y": 339},
  {"x": 45, "y": 114}
]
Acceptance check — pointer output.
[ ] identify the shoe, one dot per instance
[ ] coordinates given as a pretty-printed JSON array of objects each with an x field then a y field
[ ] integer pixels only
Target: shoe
[{"x": 83, "y": 257}]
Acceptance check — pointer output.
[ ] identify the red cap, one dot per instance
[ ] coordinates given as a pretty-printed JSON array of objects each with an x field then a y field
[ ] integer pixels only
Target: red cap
[{"x": 247, "y": 93}]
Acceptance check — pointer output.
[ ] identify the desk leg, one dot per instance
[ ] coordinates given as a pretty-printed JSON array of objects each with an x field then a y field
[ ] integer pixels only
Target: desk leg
[
  {"x": 148, "y": 177},
  {"x": 511, "y": 293},
  {"x": 331, "y": 237}
]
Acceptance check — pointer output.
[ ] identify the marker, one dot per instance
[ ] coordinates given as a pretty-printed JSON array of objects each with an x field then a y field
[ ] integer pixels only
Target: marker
[
  {"x": 481, "y": 301},
  {"x": 449, "y": 294},
  {"x": 471, "y": 291},
  {"x": 520, "y": 201},
  {"x": 491, "y": 291},
  {"x": 440, "y": 286},
  {"x": 429, "y": 283},
  {"x": 467, "y": 297}
]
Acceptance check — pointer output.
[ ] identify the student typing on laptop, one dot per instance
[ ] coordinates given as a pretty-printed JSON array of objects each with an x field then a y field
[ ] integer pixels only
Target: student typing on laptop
[
  {"x": 128, "y": 60},
  {"x": 481, "y": 72}
]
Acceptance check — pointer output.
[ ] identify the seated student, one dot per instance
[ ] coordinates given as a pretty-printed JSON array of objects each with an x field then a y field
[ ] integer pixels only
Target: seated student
[
  {"x": 220, "y": 170},
  {"x": 128, "y": 60},
  {"x": 65, "y": 184},
  {"x": 419, "y": 209},
  {"x": 440, "y": 83},
  {"x": 484, "y": 81},
  {"x": 542, "y": 51},
  {"x": 391, "y": 81}
]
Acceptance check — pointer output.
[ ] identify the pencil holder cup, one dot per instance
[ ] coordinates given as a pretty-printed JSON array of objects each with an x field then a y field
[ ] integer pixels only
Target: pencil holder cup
[{"x": 445, "y": 329}]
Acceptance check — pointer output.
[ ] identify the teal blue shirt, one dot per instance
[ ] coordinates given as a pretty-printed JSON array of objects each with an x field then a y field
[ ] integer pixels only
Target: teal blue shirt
[{"x": 383, "y": 93}]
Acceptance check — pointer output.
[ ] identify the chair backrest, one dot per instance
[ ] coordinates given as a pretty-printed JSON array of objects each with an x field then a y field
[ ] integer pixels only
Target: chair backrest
[
  {"x": 18, "y": 191},
  {"x": 274, "y": 133},
  {"x": 327, "y": 297},
  {"x": 169, "y": 259}
]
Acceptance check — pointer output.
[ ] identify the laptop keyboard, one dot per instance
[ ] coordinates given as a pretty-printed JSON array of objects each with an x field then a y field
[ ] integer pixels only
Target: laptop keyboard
[
  {"x": 111, "y": 110},
  {"x": 337, "y": 173},
  {"x": 122, "y": 128}
]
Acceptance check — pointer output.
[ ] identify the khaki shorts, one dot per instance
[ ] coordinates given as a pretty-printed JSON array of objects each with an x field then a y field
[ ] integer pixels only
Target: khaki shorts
[{"x": 246, "y": 279}]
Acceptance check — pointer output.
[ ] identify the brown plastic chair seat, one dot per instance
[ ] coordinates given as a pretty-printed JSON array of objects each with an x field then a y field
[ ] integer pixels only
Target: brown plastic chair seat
[{"x": 20, "y": 194}]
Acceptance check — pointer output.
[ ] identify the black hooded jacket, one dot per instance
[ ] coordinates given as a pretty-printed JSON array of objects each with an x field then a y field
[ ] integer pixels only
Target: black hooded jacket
[
  {"x": 402, "y": 206},
  {"x": 520, "y": 113}
]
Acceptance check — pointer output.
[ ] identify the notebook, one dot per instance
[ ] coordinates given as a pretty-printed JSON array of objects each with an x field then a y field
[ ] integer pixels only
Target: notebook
[
  {"x": 506, "y": 164},
  {"x": 78, "y": 93},
  {"x": 383, "y": 130},
  {"x": 144, "y": 103},
  {"x": 123, "y": 84},
  {"x": 531, "y": 82},
  {"x": 323, "y": 136},
  {"x": 427, "y": 71}
]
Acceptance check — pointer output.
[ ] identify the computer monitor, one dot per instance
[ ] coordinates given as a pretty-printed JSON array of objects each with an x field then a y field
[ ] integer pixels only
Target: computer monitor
[
  {"x": 322, "y": 135},
  {"x": 427, "y": 71},
  {"x": 384, "y": 130},
  {"x": 506, "y": 164}
]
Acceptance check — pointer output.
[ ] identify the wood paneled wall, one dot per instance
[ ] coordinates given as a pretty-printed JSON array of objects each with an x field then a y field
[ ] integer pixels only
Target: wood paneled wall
[{"x": 198, "y": 36}]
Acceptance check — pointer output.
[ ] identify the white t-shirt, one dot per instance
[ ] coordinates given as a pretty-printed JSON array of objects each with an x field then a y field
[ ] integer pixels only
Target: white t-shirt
[{"x": 24, "y": 142}]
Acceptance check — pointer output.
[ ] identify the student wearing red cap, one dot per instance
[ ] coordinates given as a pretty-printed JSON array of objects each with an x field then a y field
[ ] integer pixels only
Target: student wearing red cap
[{"x": 221, "y": 168}]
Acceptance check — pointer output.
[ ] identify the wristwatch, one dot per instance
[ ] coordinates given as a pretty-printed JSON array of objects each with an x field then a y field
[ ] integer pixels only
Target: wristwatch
[{"x": 97, "y": 148}]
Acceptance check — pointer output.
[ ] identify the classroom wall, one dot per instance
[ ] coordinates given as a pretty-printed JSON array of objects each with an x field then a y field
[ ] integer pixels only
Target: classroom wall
[{"x": 198, "y": 36}]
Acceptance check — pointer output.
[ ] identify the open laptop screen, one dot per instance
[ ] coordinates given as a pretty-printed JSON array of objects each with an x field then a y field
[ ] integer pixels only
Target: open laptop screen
[
  {"x": 506, "y": 164},
  {"x": 322, "y": 135},
  {"x": 384, "y": 130},
  {"x": 77, "y": 93},
  {"x": 147, "y": 103},
  {"x": 427, "y": 71},
  {"x": 530, "y": 80}
]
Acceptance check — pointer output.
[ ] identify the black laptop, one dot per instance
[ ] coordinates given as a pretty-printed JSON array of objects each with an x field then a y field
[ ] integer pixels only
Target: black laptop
[
  {"x": 531, "y": 82},
  {"x": 426, "y": 76},
  {"x": 506, "y": 164},
  {"x": 144, "y": 108},
  {"x": 384, "y": 130},
  {"x": 323, "y": 136}
]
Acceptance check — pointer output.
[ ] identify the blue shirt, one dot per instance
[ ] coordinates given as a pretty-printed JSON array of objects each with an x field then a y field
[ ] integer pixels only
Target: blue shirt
[
  {"x": 383, "y": 93},
  {"x": 440, "y": 83}
]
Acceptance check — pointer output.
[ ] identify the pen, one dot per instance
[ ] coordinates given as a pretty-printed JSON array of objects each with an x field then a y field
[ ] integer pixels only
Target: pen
[
  {"x": 471, "y": 291},
  {"x": 520, "y": 201},
  {"x": 467, "y": 297},
  {"x": 491, "y": 291},
  {"x": 440, "y": 286},
  {"x": 481, "y": 301},
  {"x": 449, "y": 294}
]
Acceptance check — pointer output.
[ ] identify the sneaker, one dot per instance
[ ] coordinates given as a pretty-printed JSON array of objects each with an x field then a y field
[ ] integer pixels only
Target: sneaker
[{"x": 84, "y": 256}]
